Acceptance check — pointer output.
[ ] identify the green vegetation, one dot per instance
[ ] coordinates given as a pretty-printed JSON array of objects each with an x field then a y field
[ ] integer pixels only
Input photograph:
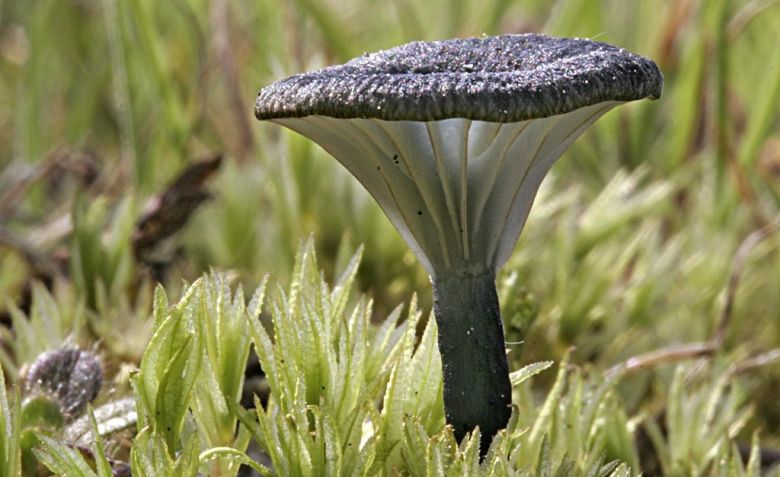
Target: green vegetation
[{"x": 647, "y": 274}]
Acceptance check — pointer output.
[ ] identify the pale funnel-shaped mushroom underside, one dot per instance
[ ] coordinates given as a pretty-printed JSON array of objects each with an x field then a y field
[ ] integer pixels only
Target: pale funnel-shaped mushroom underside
[{"x": 452, "y": 138}]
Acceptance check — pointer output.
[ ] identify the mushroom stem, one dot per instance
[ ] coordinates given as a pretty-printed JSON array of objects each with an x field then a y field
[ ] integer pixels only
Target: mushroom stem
[{"x": 477, "y": 391}]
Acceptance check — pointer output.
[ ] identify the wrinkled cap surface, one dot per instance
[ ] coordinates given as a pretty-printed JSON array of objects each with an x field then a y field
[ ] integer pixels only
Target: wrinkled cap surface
[{"x": 498, "y": 79}]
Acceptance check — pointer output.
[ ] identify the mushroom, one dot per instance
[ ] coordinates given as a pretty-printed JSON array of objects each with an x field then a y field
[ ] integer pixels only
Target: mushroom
[{"x": 452, "y": 139}]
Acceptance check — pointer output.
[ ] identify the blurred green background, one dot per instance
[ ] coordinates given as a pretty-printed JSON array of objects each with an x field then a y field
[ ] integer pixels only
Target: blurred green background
[{"x": 630, "y": 246}]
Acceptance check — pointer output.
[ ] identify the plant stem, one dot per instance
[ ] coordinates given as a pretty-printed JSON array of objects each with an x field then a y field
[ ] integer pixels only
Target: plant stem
[{"x": 477, "y": 391}]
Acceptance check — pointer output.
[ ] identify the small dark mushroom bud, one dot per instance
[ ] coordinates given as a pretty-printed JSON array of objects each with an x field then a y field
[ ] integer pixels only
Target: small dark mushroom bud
[
  {"x": 452, "y": 138},
  {"x": 69, "y": 376}
]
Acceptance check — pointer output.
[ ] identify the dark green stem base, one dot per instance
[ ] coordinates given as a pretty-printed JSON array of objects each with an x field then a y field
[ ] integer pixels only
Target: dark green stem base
[{"x": 477, "y": 391}]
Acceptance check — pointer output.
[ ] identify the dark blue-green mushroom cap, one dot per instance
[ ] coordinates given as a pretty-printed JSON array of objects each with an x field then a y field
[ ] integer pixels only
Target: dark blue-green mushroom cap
[{"x": 497, "y": 79}]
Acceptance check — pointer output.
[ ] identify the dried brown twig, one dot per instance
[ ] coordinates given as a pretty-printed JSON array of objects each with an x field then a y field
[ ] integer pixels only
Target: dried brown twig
[
  {"x": 737, "y": 266},
  {"x": 759, "y": 361},
  {"x": 690, "y": 351},
  {"x": 672, "y": 354}
]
